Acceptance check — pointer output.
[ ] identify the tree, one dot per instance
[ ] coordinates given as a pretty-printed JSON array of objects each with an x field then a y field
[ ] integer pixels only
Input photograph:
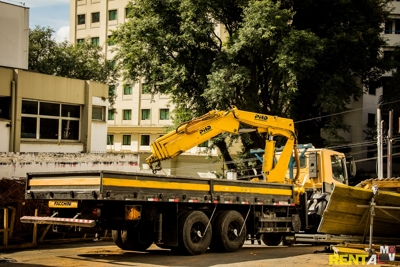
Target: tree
[
  {"x": 288, "y": 58},
  {"x": 84, "y": 61}
]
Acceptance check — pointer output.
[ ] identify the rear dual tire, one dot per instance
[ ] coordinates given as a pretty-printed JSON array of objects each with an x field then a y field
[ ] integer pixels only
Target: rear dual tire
[
  {"x": 229, "y": 232},
  {"x": 193, "y": 237}
]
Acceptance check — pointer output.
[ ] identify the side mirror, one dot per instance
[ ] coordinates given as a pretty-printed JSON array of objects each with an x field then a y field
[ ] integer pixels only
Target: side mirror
[{"x": 351, "y": 167}]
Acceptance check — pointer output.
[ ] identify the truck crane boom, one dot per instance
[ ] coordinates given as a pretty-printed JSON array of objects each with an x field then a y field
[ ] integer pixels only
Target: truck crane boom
[{"x": 192, "y": 133}]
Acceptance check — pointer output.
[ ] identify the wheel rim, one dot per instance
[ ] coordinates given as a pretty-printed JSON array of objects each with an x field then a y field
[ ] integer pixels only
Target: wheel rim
[
  {"x": 196, "y": 232},
  {"x": 233, "y": 230}
]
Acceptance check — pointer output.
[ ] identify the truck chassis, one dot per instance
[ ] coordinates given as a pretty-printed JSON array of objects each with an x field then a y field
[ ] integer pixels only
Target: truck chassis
[{"x": 183, "y": 214}]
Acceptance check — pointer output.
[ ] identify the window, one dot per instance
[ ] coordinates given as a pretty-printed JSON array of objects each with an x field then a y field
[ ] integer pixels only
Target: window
[
  {"x": 145, "y": 140},
  {"x": 110, "y": 140},
  {"x": 95, "y": 41},
  {"x": 110, "y": 41},
  {"x": 127, "y": 11},
  {"x": 111, "y": 115},
  {"x": 111, "y": 89},
  {"x": 5, "y": 106},
  {"x": 80, "y": 41},
  {"x": 127, "y": 114},
  {"x": 397, "y": 26},
  {"x": 388, "y": 27},
  {"x": 126, "y": 140},
  {"x": 98, "y": 113},
  {"x": 337, "y": 169},
  {"x": 43, "y": 120},
  {"x": 371, "y": 119},
  {"x": 95, "y": 17},
  {"x": 145, "y": 114},
  {"x": 164, "y": 114},
  {"x": 81, "y": 19},
  {"x": 127, "y": 89},
  {"x": 372, "y": 86},
  {"x": 204, "y": 144},
  {"x": 112, "y": 15}
]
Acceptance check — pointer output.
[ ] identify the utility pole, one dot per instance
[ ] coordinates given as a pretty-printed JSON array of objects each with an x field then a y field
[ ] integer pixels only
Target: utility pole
[
  {"x": 379, "y": 123},
  {"x": 389, "y": 145}
]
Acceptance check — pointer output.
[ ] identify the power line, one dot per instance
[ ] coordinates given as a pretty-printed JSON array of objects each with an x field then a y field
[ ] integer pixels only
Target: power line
[{"x": 348, "y": 111}]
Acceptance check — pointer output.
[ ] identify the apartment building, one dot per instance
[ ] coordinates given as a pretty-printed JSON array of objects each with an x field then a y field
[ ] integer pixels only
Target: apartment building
[
  {"x": 140, "y": 117},
  {"x": 365, "y": 109}
]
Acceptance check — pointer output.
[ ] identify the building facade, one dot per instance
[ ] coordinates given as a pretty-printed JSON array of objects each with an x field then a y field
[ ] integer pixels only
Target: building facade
[
  {"x": 44, "y": 113},
  {"x": 14, "y": 31},
  {"x": 140, "y": 117}
]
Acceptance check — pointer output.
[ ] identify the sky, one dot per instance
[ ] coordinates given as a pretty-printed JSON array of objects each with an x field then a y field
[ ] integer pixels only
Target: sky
[{"x": 48, "y": 13}]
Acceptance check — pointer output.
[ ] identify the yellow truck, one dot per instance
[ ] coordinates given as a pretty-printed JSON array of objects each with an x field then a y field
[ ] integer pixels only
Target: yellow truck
[{"x": 189, "y": 214}]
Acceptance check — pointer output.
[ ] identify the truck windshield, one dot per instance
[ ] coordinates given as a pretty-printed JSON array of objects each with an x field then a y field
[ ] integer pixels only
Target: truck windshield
[{"x": 337, "y": 169}]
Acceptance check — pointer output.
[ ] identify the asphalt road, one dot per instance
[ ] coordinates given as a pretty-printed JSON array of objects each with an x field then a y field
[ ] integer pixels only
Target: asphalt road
[{"x": 103, "y": 253}]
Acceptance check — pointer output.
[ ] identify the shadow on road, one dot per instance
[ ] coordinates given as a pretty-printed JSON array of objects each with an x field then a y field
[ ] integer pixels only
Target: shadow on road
[
  {"x": 106, "y": 254},
  {"x": 165, "y": 257}
]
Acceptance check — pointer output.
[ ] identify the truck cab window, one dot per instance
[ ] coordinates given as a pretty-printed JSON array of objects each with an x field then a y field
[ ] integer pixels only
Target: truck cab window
[{"x": 337, "y": 169}]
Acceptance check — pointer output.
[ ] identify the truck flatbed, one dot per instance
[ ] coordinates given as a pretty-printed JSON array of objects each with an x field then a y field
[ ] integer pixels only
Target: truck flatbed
[{"x": 110, "y": 185}]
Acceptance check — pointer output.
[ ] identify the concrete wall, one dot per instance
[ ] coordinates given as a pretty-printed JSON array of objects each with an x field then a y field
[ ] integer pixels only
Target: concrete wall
[
  {"x": 14, "y": 32},
  {"x": 19, "y": 164}
]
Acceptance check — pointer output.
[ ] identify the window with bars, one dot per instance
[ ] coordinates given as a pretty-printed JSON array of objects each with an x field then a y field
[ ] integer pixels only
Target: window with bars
[
  {"x": 145, "y": 140},
  {"x": 164, "y": 114},
  {"x": 44, "y": 120},
  {"x": 127, "y": 89},
  {"x": 95, "y": 17},
  {"x": 145, "y": 114},
  {"x": 110, "y": 140},
  {"x": 112, "y": 14},
  {"x": 126, "y": 140},
  {"x": 127, "y": 113},
  {"x": 81, "y": 19}
]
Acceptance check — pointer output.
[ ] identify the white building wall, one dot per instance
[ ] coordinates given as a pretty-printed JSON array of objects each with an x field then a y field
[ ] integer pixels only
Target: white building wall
[
  {"x": 99, "y": 128},
  {"x": 19, "y": 164},
  {"x": 4, "y": 136},
  {"x": 14, "y": 35}
]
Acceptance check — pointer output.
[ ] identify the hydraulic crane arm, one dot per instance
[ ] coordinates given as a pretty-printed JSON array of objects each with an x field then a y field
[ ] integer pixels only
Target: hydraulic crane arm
[{"x": 201, "y": 129}]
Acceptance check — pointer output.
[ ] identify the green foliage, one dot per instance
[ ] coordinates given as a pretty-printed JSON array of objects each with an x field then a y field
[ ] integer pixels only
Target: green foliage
[
  {"x": 293, "y": 58},
  {"x": 83, "y": 61}
]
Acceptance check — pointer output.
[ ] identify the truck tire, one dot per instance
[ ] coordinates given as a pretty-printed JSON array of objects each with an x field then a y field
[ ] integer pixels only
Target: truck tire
[
  {"x": 271, "y": 239},
  {"x": 192, "y": 238},
  {"x": 226, "y": 231},
  {"x": 116, "y": 236},
  {"x": 139, "y": 238}
]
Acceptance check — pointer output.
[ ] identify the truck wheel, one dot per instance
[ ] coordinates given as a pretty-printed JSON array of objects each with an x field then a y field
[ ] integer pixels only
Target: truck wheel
[
  {"x": 116, "y": 236},
  {"x": 192, "y": 236},
  {"x": 271, "y": 239},
  {"x": 139, "y": 238},
  {"x": 226, "y": 232}
]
